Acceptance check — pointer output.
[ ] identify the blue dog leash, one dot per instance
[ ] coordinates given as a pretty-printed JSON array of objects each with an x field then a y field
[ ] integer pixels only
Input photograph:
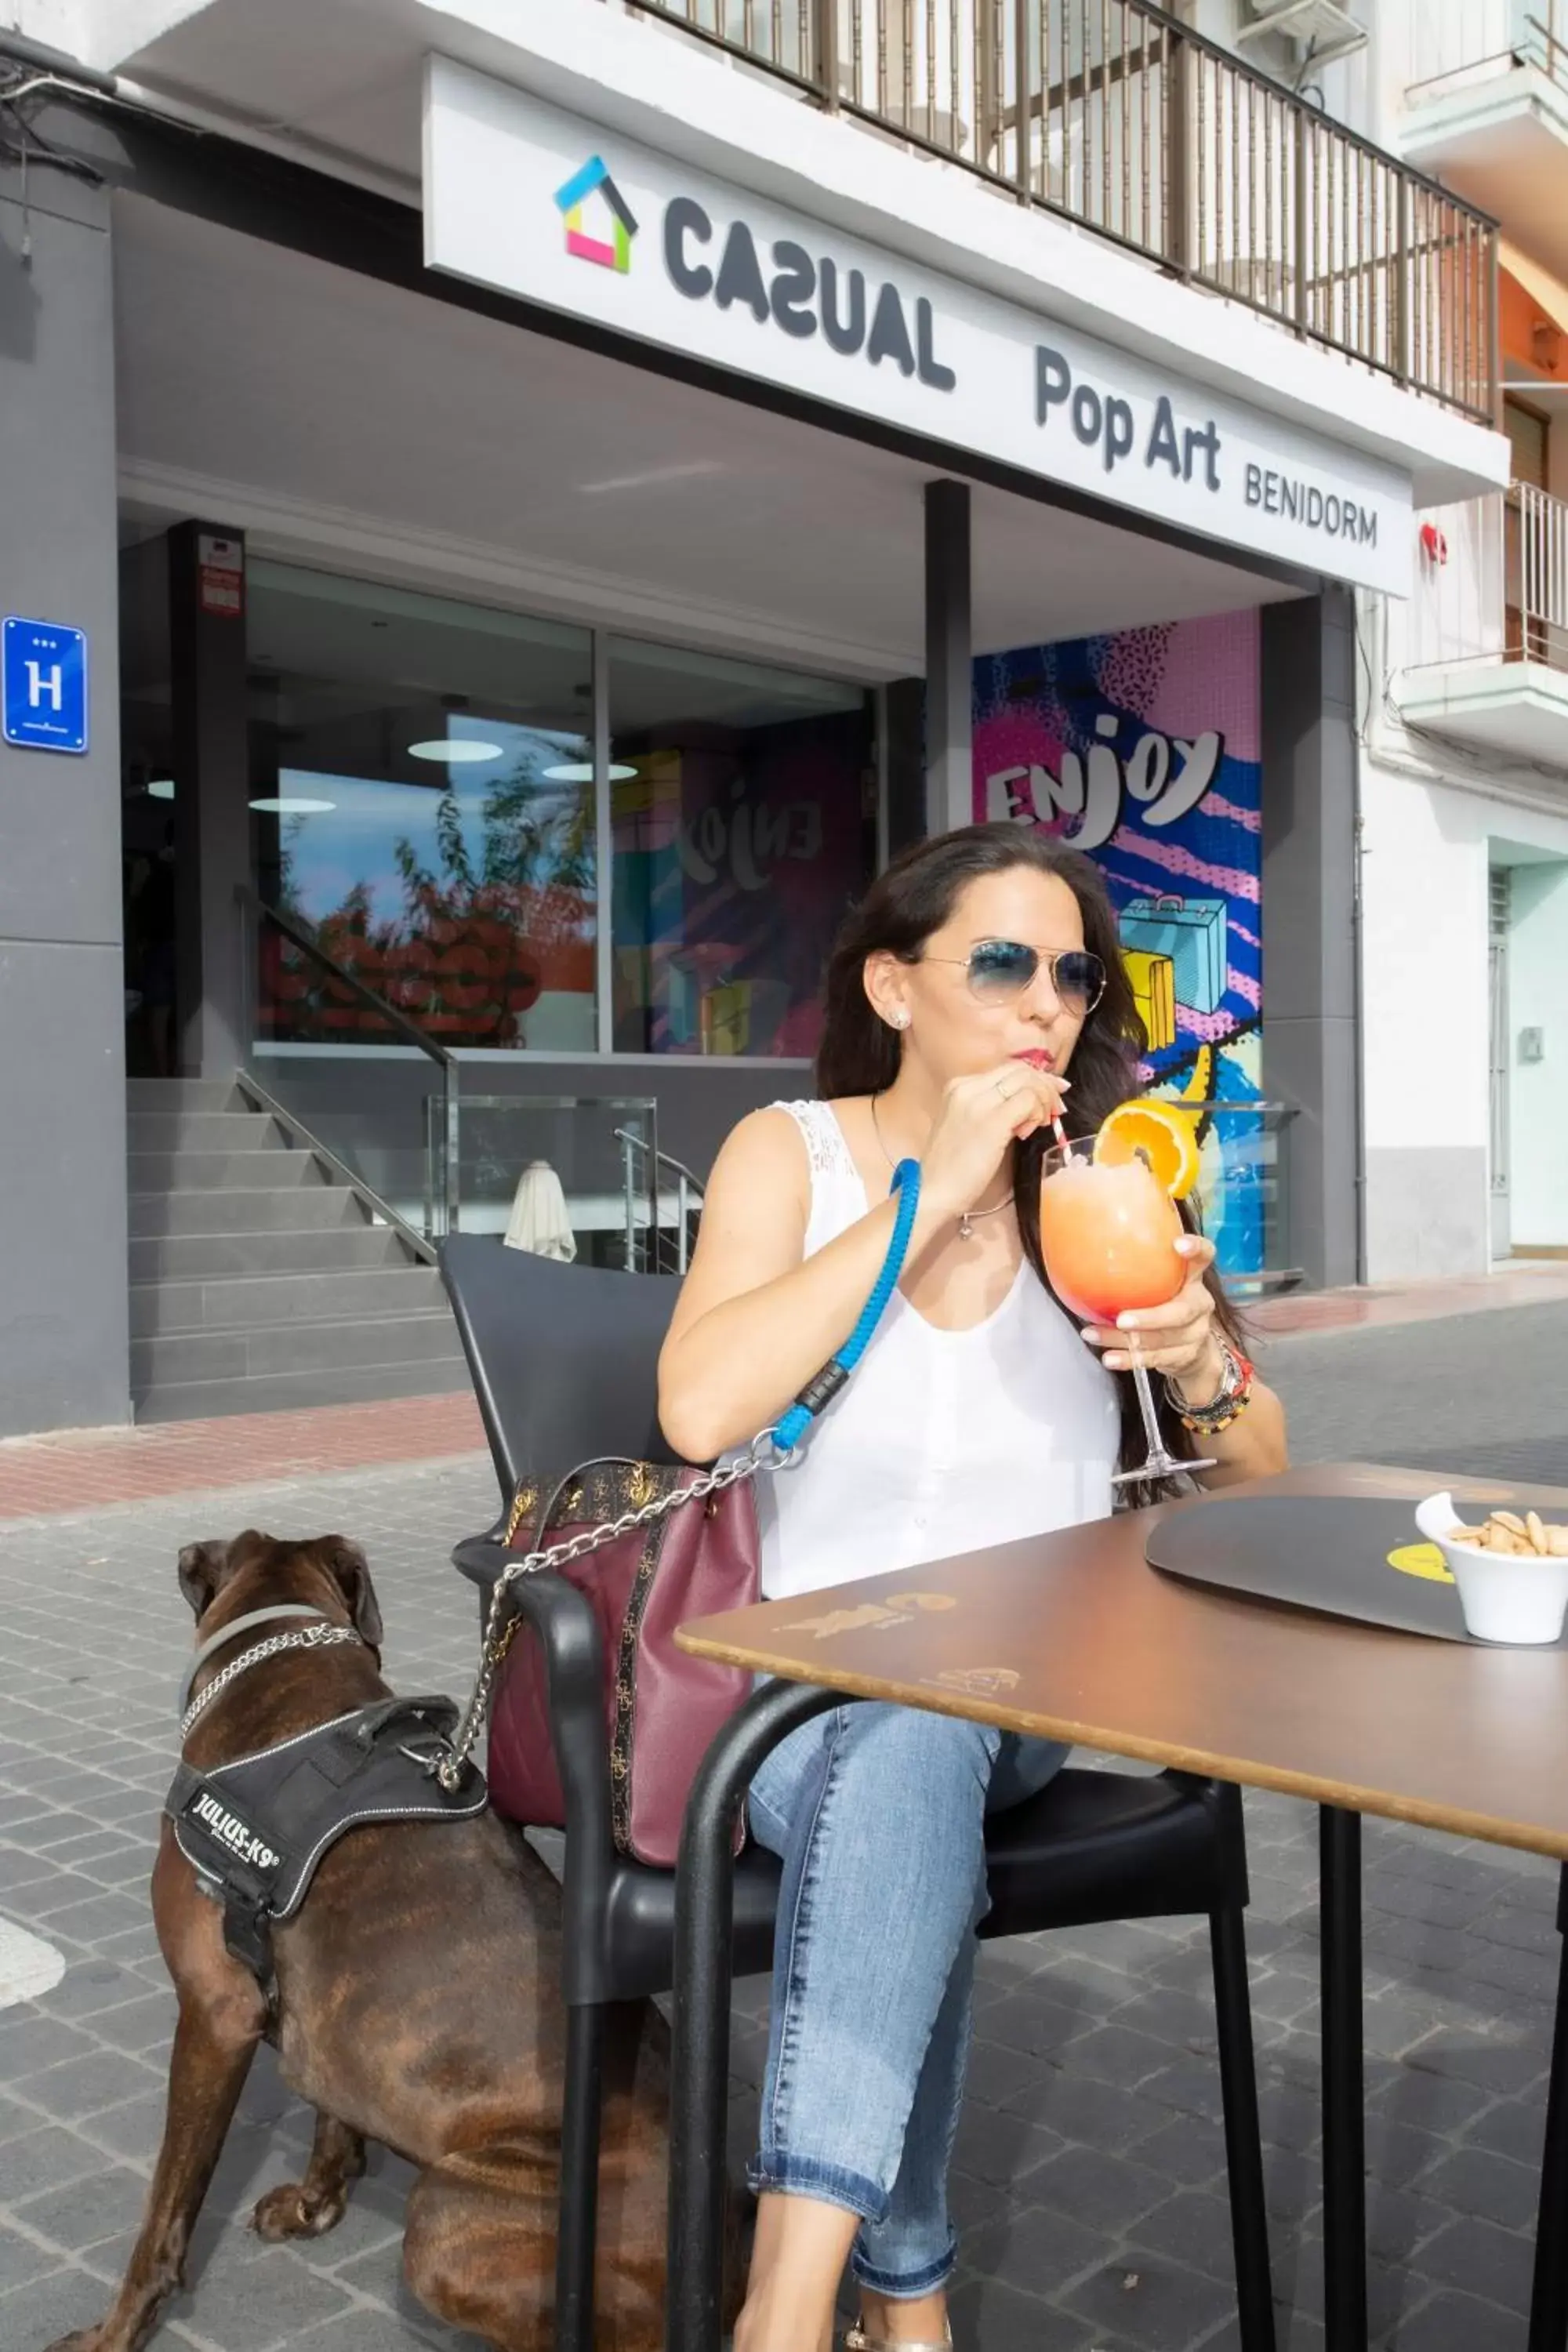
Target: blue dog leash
[{"x": 819, "y": 1392}]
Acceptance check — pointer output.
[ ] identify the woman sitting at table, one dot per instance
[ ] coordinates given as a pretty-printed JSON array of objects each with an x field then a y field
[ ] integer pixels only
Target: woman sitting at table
[{"x": 979, "y": 973}]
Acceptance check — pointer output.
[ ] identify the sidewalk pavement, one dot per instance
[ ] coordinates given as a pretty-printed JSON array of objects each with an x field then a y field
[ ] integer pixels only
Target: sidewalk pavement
[{"x": 1088, "y": 2176}]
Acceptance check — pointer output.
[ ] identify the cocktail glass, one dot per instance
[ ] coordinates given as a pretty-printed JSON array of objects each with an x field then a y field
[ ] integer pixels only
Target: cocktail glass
[{"x": 1109, "y": 1235}]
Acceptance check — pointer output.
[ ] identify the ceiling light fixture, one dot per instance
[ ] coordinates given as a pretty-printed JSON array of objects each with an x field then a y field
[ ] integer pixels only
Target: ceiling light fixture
[
  {"x": 580, "y": 771},
  {"x": 161, "y": 788},
  {"x": 291, "y": 804},
  {"x": 454, "y": 750}
]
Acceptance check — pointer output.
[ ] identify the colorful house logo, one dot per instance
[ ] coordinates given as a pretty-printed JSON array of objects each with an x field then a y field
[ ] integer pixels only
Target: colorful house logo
[{"x": 592, "y": 194}]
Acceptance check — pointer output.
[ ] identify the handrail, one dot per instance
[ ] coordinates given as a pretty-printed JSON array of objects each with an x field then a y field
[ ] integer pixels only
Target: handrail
[
  {"x": 306, "y": 1138},
  {"x": 254, "y": 908},
  {"x": 687, "y": 1184},
  {"x": 665, "y": 1159},
  {"x": 311, "y": 946},
  {"x": 1124, "y": 119}
]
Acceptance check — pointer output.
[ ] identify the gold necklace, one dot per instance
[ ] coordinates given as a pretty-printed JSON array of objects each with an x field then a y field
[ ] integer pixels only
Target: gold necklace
[{"x": 971, "y": 1217}]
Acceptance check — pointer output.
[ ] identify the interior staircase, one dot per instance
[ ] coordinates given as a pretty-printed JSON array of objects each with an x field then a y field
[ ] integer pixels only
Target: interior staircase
[{"x": 261, "y": 1280}]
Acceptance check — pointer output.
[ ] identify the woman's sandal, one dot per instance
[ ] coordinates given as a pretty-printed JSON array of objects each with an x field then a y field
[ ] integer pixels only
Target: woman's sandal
[{"x": 857, "y": 2340}]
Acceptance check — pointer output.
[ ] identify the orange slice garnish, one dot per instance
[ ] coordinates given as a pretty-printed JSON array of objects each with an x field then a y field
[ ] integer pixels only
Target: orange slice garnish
[{"x": 1161, "y": 1133}]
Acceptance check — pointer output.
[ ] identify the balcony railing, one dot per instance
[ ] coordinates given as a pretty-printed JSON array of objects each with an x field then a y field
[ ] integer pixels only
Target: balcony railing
[
  {"x": 1453, "y": 39},
  {"x": 1114, "y": 114},
  {"x": 1495, "y": 583}
]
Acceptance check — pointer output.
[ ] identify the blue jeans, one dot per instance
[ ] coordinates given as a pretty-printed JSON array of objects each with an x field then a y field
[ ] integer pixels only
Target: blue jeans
[{"x": 878, "y": 1813}]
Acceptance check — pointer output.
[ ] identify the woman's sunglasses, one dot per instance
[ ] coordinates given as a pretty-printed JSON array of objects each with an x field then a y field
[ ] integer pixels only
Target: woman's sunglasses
[{"x": 999, "y": 970}]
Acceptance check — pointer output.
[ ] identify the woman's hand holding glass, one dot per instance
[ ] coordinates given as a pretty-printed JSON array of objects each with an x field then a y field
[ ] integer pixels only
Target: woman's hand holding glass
[{"x": 1178, "y": 1338}]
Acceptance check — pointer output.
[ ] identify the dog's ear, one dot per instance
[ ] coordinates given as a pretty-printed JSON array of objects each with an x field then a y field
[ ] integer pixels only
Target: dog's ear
[
  {"x": 201, "y": 1571},
  {"x": 350, "y": 1571}
]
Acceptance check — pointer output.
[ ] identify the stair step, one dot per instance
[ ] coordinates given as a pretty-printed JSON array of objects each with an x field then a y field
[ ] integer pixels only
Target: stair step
[
  {"x": 250, "y": 1302},
  {"x": 327, "y": 1249},
  {"x": 181, "y": 1357},
  {"x": 201, "y": 1131},
  {"x": 297, "y": 1208},
  {"x": 182, "y": 1094},
  {"x": 296, "y": 1391},
  {"x": 243, "y": 1172}
]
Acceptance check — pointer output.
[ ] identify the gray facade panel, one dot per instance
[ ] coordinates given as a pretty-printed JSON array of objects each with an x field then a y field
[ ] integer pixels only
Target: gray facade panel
[
  {"x": 63, "y": 1312},
  {"x": 63, "y": 1347},
  {"x": 1310, "y": 1025}
]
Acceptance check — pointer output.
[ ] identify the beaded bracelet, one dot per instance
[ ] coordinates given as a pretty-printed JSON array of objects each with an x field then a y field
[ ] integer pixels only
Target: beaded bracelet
[{"x": 1226, "y": 1407}]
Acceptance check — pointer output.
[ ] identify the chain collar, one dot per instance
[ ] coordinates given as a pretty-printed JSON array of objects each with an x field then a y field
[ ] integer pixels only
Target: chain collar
[{"x": 314, "y": 1637}]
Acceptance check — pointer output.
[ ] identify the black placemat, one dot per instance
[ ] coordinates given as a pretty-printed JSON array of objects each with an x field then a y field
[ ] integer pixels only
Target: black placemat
[{"x": 1354, "y": 1556}]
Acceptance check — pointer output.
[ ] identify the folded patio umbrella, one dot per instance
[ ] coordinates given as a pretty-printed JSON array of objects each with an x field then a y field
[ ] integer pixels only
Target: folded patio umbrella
[{"x": 538, "y": 1220}]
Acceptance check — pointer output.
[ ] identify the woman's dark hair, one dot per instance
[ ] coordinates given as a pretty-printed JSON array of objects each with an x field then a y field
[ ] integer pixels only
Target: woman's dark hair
[{"x": 859, "y": 1055}]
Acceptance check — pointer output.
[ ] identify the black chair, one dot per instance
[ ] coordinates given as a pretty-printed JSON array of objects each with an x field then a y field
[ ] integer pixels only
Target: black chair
[{"x": 564, "y": 1360}]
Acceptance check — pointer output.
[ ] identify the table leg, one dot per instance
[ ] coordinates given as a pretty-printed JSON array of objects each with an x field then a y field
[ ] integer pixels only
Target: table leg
[
  {"x": 700, "y": 2084},
  {"x": 1549, "y": 2297},
  {"x": 1344, "y": 2115}
]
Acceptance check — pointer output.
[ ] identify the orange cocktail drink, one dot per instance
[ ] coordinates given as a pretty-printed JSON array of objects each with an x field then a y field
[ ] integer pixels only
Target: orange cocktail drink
[{"x": 1109, "y": 1235}]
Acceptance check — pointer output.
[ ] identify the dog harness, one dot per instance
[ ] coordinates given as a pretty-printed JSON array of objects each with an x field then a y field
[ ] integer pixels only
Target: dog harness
[{"x": 254, "y": 1831}]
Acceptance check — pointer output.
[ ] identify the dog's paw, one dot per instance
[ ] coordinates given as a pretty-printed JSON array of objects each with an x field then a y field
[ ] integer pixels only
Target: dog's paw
[{"x": 292, "y": 2212}]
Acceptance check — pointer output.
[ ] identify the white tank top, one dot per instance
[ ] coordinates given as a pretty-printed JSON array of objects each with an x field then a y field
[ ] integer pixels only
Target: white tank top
[{"x": 941, "y": 1441}]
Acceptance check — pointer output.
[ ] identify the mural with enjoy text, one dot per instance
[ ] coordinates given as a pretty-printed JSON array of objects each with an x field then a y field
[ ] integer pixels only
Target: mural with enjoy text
[{"x": 1143, "y": 749}]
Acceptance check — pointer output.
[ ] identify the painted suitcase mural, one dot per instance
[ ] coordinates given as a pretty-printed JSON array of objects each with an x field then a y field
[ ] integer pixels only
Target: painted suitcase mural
[{"x": 1193, "y": 933}]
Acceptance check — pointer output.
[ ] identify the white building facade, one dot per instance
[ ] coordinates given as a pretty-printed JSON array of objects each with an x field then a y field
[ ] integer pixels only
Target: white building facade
[
  {"x": 1463, "y": 699},
  {"x": 738, "y": 437}
]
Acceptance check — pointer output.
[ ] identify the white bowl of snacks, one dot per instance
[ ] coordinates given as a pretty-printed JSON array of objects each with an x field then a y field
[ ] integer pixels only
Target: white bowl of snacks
[{"x": 1512, "y": 1568}]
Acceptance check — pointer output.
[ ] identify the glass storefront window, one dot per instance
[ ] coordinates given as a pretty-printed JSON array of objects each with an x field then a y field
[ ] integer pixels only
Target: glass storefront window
[
  {"x": 422, "y": 788},
  {"x": 743, "y": 822}
]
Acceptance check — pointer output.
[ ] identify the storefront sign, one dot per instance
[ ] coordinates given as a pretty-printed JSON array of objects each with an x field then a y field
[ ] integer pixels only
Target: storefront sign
[
  {"x": 43, "y": 685},
  {"x": 545, "y": 205}
]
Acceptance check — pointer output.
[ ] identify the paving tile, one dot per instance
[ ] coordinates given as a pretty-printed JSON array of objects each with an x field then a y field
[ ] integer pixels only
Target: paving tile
[
  {"x": 21, "y": 2261},
  {"x": 86, "y": 2211},
  {"x": 1154, "y": 2302},
  {"x": 1515, "y": 2128},
  {"x": 1001, "y": 2148},
  {"x": 1475, "y": 2181},
  {"x": 1036, "y": 2251},
  {"x": 50, "y": 2306},
  {"x": 90, "y": 1985},
  {"x": 30, "y": 2040},
  {"x": 44, "y": 2158},
  {"x": 1481, "y": 2259},
  {"x": 1510, "y": 2066},
  {"x": 81, "y": 2086},
  {"x": 1448, "y": 2322},
  {"x": 1193, "y": 2228},
  {"x": 1108, "y": 2193},
  {"x": 989, "y": 2312}
]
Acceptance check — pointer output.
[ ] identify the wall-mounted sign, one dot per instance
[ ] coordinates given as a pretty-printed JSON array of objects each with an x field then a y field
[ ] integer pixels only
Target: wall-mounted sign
[
  {"x": 221, "y": 569},
  {"x": 522, "y": 195},
  {"x": 43, "y": 685}
]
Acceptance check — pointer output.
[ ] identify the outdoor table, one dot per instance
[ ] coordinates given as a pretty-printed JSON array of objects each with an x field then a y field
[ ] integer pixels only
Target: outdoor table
[{"x": 1110, "y": 1653}]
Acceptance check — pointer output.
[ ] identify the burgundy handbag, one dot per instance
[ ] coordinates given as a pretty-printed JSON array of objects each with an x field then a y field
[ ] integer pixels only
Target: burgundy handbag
[
  {"x": 649, "y": 1545},
  {"x": 662, "y": 1706}
]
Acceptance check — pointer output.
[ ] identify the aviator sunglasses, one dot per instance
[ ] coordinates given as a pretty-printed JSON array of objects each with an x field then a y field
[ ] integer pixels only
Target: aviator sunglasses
[{"x": 999, "y": 970}]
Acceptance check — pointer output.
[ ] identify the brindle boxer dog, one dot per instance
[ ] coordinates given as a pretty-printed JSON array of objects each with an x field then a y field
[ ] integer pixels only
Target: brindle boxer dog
[{"x": 416, "y": 2004}]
